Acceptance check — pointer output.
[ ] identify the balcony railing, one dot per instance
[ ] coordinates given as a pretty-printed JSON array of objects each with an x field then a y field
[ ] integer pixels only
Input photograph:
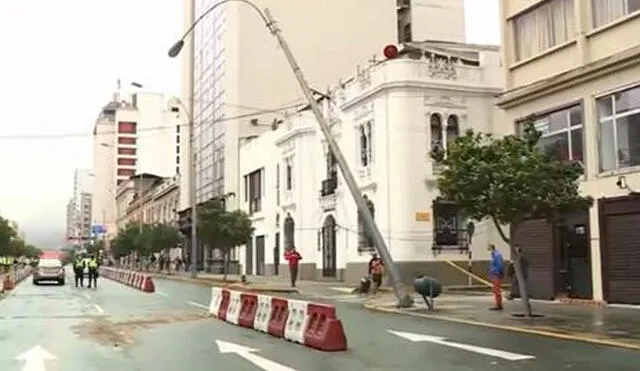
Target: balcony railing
[{"x": 329, "y": 186}]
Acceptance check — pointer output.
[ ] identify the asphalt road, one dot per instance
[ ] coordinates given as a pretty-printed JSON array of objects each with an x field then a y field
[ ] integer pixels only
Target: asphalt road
[{"x": 116, "y": 327}]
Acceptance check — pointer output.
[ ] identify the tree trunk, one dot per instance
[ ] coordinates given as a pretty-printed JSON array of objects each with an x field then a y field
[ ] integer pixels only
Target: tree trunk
[
  {"x": 517, "y": 265},
  {"x": 522, "y": 284},
  {"x": 225, "y": 264}
]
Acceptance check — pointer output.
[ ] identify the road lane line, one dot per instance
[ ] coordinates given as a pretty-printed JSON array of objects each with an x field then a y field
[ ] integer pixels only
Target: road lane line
[
  {"x": 162, "y": 294},
  {"x": 198, "y": 305},
  {"x": 98, "y": 308}
]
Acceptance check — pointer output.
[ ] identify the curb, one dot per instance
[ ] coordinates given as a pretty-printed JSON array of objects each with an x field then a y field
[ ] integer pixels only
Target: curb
[
  {"x": 523, "y": 330},
  {"x": 236, "y": 285},
  {"x": 586, "y": 302}
]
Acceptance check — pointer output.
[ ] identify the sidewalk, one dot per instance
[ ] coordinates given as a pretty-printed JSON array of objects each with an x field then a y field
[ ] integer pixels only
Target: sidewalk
[{"x": 619, "y": 327}]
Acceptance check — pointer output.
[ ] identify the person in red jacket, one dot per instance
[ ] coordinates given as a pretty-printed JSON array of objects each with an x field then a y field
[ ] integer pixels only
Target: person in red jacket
[{"x": 293, "y": 257}]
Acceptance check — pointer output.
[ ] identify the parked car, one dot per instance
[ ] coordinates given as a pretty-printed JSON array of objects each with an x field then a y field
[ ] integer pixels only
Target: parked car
[{"x": 49, "y": 270}]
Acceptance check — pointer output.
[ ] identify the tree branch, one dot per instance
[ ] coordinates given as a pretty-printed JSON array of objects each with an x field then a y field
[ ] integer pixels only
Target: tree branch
[{"x": 500, "y": 231}]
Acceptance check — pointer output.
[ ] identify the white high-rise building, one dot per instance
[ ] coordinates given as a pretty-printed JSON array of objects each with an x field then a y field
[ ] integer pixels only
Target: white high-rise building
[
  {"x": 137, "y": 135},
  {"x": 232, "y": 66}
]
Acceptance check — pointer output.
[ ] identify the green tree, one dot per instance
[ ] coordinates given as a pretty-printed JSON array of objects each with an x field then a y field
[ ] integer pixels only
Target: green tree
[
  {"x": 162, "y": 237},
  {"x": 31, "y": 251},
  {"x": 7, "y": 233},
  {"x": 222, "y": 229},
  {"x": 508, "y": 180},
  {"x": 126, "y": 241}
]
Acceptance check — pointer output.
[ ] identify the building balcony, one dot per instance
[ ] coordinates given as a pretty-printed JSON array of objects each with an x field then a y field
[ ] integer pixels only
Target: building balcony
[{"x": 329, "y": 186}]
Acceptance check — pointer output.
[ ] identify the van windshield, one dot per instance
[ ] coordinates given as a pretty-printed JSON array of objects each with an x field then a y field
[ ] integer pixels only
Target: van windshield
[{"x": 50, "y": 263}]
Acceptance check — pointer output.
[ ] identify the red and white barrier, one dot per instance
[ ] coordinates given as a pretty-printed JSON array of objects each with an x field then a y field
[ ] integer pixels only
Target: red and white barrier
[
  {"x": 12, "y": 279},
  {"x": 311, "y": 324},
  {"x": 137, "y": 280}
]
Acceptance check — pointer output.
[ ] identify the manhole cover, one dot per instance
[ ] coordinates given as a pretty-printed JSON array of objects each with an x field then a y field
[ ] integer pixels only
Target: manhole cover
[{"x": 522, "y": 315}]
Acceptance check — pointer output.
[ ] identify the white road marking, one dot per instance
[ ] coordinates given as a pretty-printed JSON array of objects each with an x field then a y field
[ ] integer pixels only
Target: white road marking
[
  {"x": 417, "y": 338},
  {"x": 98, "y": 308},
  {"x": 248, "y": 354},
  {"x": 34, "y": 358},
  {"x": 162, "y": 294},
  {"x": 198, "y": 305}
]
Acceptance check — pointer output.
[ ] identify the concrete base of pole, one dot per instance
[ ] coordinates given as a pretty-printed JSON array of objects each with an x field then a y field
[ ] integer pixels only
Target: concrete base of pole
[{"x": 405, "y": 301}]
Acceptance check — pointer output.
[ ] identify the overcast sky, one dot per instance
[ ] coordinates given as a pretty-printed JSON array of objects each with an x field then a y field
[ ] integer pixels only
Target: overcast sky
[{"x": 60, "y": 63}]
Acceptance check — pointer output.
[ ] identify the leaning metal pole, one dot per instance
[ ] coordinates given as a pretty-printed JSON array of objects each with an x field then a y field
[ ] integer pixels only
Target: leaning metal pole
[{"x": 404, "y": 300}]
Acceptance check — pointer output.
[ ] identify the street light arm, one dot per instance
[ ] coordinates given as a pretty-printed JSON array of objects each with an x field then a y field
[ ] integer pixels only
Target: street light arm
[{"x": 177, "y": 47}]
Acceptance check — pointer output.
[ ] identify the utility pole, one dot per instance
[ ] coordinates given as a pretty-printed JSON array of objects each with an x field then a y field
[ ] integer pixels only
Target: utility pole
[{"x": 404, "y": 300}]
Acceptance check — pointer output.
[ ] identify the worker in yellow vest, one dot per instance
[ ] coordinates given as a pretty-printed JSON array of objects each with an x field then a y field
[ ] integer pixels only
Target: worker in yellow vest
[
  {"x": 78, "y": 270},
  {"x": 93, "y": 271}
]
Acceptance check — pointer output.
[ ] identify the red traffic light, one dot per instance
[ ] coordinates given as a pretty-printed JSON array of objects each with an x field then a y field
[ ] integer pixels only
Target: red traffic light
[{"x": 390, "y": 51}]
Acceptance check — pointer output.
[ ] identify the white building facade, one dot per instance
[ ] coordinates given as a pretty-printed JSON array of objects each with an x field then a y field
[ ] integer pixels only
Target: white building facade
[
  {"x": 133, "y": 136},
  {"x": 224, "y": 84},
  {"x": 386, "y": 119}
]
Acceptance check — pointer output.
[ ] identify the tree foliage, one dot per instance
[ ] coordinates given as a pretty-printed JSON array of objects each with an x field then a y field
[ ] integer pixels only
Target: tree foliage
[
  {"x": 11, "y": 244},
  {"x": 145, "y": 239},
  {"x": 222, "y": 229},
  {"x": 508, "y": 179}
]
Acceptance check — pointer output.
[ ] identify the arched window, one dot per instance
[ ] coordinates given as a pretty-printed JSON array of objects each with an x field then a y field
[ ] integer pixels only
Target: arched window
[
  {"x": 365, "y": 237},
  {"x": 364, "y": 147},
  {"x": 289, "y": 232},
  {"x": 453, "y": 128},
  {"x": 435, "y": 124}
]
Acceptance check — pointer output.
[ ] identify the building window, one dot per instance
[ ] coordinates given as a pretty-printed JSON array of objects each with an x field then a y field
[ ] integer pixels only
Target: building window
[
  {"x": 127, "y": 161},
  {"x": 543, "y": 27},
  {"x": 289, "y": 232},
  {"x": 608, "y": 11},
  {"x": 561, "y": 132},
  {"x": 126, "y": 172},
  {"x": 277, "y": 184},
  {"x": 365, "y": 237},
  {"x": 289, "y": 174},
  {"x": 254, "y": 189},
  {"x": 619, "y": 119},
  {"x": 126, "y": 151},
  {"x": 120, "y": 181},
  {"x": 126, "y": 140},
  {"x": 366, "y": 143},
  {"x": 126, "y": 127},
  {"x": 440, "y": 139}
]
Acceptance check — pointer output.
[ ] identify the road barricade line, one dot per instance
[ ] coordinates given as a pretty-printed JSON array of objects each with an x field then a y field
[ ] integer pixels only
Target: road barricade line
[
  {"x": 137, "y": 280},
  {"x": 314, "y": 325},
  {"x": 12, "y": 279}
]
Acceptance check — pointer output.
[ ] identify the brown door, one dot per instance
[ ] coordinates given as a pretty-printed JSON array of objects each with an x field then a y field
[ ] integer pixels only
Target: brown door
[
  {"x": 536, "y": 238},
  {"x": 620, "y": 229}
]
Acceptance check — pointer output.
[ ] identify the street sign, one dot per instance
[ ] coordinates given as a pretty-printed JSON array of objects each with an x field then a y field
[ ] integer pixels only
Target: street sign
[{"x": 98, "y": 229}]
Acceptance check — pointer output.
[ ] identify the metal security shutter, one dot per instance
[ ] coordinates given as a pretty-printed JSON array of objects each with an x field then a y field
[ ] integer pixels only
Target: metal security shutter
[
  {"x": 536, "y": 237},
  {"x": 621, "y": 256}
]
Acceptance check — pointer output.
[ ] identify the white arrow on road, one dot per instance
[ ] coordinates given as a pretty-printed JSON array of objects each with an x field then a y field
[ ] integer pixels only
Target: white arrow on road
[
  {"x": 416, "y": 338},
  {"x": 248, "y": 354},
  {"x": 34, "y": 358}
]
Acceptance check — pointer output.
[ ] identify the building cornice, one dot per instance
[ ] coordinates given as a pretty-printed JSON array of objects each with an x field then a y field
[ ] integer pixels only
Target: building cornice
[
  {"x": 294, "y": 133},
  {"x": 413, "y": 84},
  {"x": 565, "y": 80}
]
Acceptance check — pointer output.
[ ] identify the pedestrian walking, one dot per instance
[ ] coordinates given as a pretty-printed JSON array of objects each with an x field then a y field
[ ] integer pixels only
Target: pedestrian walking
[
  {"x": 496, "y": 274},
  {"x": 293, "y": 257}
]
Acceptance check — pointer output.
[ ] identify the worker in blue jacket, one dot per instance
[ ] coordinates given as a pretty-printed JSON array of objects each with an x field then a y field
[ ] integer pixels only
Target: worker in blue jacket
[{"x": 496, "y": 274}]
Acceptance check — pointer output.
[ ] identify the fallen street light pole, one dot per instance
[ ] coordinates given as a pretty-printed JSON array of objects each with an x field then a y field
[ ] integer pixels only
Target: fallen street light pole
[{"x": 404, "y": 299}]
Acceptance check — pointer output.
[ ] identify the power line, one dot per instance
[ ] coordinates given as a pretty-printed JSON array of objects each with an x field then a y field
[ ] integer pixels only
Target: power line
[{"x": 148, "y": 129}]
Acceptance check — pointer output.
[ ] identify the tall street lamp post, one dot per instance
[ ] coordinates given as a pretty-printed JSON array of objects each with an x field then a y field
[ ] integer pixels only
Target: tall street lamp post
[{"x": 404, "y": 300}]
